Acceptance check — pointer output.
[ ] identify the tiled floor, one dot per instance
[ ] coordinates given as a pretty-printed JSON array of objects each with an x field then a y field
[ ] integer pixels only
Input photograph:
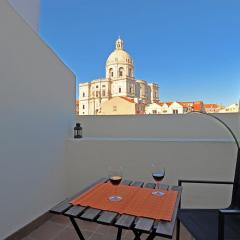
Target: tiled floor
[{"x": 60, "y": 228}]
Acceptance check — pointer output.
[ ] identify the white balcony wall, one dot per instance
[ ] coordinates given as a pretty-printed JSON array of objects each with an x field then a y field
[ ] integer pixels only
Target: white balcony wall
[
  {"x": 183, "y": 126},
  {"x": 37, "y": 101},
  {"x": 29, "y": 10},
  {"x": 190, "y": 147}
]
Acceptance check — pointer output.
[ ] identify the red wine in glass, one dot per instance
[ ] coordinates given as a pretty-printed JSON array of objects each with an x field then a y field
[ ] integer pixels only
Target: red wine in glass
[
  {"x": 158, "y": 177},
  {"x": 115, "y": 180},
  {"x": 115, "y": 177},
  {"x": 158, "y": 174}
]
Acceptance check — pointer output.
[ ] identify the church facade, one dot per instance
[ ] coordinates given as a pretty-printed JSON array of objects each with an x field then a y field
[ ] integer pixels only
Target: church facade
[{"x": 119, "y": 81}]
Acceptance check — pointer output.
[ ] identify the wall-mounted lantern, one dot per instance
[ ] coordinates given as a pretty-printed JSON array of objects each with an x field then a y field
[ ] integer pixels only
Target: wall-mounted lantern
[{"x": 78, "y": 131}]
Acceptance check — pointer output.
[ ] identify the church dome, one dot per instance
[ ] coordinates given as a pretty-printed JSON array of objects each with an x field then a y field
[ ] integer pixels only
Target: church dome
[{"x": 119, "y": 55}]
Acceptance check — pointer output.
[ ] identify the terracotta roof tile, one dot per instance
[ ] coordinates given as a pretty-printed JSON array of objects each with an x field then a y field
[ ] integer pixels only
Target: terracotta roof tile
[
  {"x": 186, "y": 104},
  {"x": 197, "y": 106},
  {"x": 211, "y": 105},
  {"x": 128, "y": 99}
]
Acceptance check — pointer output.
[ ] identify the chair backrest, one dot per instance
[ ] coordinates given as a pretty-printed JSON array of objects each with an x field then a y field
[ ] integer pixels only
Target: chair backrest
[{"x": 236, "y": 185}]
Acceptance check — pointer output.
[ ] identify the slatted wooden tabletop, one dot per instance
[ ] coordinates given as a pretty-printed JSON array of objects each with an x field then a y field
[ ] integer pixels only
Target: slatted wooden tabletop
[{"x": 136, "y": 224}]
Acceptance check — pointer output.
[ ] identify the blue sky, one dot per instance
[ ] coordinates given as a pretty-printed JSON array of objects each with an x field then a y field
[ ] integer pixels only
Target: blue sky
[{"x": 191, "y": 48}]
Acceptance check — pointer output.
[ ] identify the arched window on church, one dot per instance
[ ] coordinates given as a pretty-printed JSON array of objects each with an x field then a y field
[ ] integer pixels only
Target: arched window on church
[
  {"x": 120, "y": 72},
  {"x": 130, "y": 72},
  {"x": 110, "y": 72}
]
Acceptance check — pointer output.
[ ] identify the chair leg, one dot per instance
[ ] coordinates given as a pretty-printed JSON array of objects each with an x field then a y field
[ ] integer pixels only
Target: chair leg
[
  {"x": 178, "y": 230},
  {"x": 220, "y": 226},
  {"x": 137, "y": 235}
]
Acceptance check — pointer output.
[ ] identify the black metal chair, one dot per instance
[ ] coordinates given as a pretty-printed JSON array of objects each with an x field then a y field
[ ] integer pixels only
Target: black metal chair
[{"x": 214, "y": 224}]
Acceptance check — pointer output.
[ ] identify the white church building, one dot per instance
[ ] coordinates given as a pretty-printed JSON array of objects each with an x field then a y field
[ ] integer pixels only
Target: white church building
[{"x": 119, "y": 81}]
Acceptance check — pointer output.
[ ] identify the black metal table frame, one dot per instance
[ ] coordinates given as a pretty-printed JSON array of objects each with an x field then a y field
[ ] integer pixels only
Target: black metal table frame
[
  {"x": 119, "y": 232},
  {"x": 137, "y": 225}
]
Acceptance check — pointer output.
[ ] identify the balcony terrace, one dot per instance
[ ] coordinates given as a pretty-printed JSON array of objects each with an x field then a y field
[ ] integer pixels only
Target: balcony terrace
[
  {"x": 41, "y": 163},
  {"x": 191, "y": 146}
]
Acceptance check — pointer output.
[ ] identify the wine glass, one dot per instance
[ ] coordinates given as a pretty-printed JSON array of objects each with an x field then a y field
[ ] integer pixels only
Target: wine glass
[
  {"x": 158, "y": 173},
  {"x": 115, "y": 177}
]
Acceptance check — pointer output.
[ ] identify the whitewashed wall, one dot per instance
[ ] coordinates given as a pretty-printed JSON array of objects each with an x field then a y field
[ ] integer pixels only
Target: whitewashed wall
[
  {"x": 29, "y": 10},
  {"x": 37, "y": 101},
  {"x": 87, "y": 159}
]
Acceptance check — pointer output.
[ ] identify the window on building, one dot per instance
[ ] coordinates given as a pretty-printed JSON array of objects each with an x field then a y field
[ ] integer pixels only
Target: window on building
[
  {"x": 130, "y": 90},
  {"x": 103, "y": 86},
  {"x": 111, "y": 72},
  {"x": 97, "y": 93},
  {"x": 97, "y": 86},
  {"x": 114, "y": 108},
  {"x": 175, "y": 111},
  {"x": 119, "y": 90},
  {"x": 93, "y": 93},
  {"x": 83, "y": 94},
  {"x": 104, "y": 93},
  {"x": 120, "y": 72},
  {"x": 129, "y": 72},
  {"x": 83, "y": 106},
  {"x": 154, "y": 111}
]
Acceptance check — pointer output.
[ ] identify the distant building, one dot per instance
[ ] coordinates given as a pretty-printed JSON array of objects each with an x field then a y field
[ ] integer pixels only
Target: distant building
[
  {"x": 231, "y": 108},
  {"x": 122, "y": 105},
  {"x": 212, "y": 107},
  {"x": 174, "y": 107},
  {"x": 154, "y": 108},
  {"x": 119, "y": 81}
]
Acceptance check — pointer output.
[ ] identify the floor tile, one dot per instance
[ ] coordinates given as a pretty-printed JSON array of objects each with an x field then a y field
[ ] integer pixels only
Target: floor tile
[
  {"x": 60, "y": 219},
  {"x": 70, "y": 234},
  {"x": 46, "y": 231},
  {"x": 103, "y": 229},
  {"x": 86, "y": 225},
  {"x": 27, "y": 238},
  {"x": 106, "y": 236}
]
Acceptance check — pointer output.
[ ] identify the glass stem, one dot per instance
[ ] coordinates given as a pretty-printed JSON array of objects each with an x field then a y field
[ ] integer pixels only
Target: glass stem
[{"x": 158, "y": 185}]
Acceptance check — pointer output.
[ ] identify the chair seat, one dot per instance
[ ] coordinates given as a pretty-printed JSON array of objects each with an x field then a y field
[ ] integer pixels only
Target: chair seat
[{"x": 203, "y": 224}]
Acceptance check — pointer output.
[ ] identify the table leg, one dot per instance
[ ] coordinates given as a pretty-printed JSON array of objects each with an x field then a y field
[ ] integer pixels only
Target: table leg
[
  {"x": 151, "y": 236},
  {"x": 76, "y": 228},
  {"x": 137, "y": 235},
  {"x": 178, "y": 230},
  {"x": 119, "y": 233}
]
